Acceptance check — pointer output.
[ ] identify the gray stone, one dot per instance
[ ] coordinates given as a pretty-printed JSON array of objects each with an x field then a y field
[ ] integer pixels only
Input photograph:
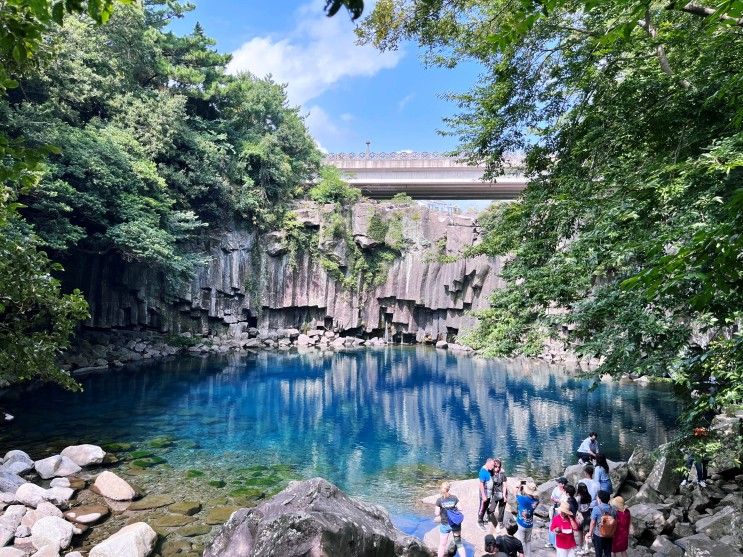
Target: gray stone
[
  {"x": 663, "y": 546},
  {"x": 312, "y": 518},
  {"x": 17, "y": 456},
  {"x": 727, "y": 522},
  {"x": 647, "y": 518},
  {"x": 54, "y": 466},
  {"x": 134, "y": 540},
  {"x": 665, "y": 477},
  {"x": 10, "y": 482},
  {"x": 700, "y": 545},
  {"x": 640, "y": 464},
  {"x": 442, "y": 344},
  {"x": 17, "y": 467},
  {"x": 647, "y": 494}
]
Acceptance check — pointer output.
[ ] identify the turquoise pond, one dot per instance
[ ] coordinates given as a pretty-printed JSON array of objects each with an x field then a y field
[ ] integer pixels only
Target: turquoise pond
[{"x": 383, "y": 424}]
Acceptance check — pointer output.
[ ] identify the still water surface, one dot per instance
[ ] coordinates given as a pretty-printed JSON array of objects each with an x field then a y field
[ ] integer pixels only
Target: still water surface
[{"x": 366, "y": 419}]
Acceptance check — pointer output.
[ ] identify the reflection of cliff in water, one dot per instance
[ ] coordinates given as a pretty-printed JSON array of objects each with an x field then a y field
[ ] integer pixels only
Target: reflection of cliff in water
[
  {"x": 449, "y": 411},
  {"x": 358, "y": 417}
]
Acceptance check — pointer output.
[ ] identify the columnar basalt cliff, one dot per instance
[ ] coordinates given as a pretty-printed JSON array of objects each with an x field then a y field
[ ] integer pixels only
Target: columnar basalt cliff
[{"x": 423, "y": 287}]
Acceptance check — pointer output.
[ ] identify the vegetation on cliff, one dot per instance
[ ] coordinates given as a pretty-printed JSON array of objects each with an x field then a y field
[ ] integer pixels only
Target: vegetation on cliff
[
  {"x": 630, "y": 232},
  {"x": 127, "y": 139}
]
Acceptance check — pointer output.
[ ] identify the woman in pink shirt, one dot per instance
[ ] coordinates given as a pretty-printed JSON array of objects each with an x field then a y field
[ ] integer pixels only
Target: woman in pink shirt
[
  {"x": 620, "y": 540},
  {"x": 563, "y": 525}
]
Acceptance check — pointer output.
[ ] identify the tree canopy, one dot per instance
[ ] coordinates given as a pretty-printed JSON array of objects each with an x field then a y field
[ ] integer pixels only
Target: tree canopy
[
  {"x": 626, "y": 244},
  {"x": 126, "y": 139}
]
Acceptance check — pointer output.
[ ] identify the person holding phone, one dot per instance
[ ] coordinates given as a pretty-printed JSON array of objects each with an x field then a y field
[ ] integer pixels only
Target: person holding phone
[
  {"x": 564, "y": 525},
  {"x": 526, "y": 501}
]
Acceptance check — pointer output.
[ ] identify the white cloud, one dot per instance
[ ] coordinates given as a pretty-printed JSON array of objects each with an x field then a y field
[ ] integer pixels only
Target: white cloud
[
  {"x": 404, "y": 101},
  {"x": 317, "y": 54},
  {"x": 347, "y": 117}
]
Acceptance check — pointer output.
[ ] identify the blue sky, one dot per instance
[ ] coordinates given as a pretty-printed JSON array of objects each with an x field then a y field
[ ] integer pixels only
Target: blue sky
[{"x": 349, "y": 93}]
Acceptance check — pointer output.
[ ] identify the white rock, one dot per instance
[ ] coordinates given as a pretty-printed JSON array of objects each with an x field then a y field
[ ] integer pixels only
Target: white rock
[
  {"x": 84, "y": 455},
  {"x": 23, "y": 531},
  {"x": 10, "y": 521},
  {"x": 9, "y": 481},
  {"x": 16, "y": 456},
  {"x": 60, "y": 482},
  {"x": 135, "y": 540},
  {"x": 59, "y": 495},
  {"x": 8, "y": 498},
  {"x": 442, "y": 344},
  {"x": 30, "y": 494},
  {"x": 112, "y": 486},
  {"x": 51, "y": 530},
  {"x": 56, "y": 466},
  {"x": 47, "y": 551},
  {"x": 72, "y": 554},
  {"x": 42, "y": 509},
  {"x": 11, "y": 552}
]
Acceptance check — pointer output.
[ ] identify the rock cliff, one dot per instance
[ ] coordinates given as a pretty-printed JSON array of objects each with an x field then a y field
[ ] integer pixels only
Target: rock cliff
[{"x": 413, "y": 279}]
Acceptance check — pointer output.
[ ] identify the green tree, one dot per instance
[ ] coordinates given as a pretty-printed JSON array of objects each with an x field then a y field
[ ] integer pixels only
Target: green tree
[
  {"x": 626, "y": 244},
  {"x": 332, "y": 188}
]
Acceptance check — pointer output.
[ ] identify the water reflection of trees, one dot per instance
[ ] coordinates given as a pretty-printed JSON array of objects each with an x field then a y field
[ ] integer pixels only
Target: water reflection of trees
[
  {"x": 388, "y": 407},
  {"x": 352, "y": 416}
]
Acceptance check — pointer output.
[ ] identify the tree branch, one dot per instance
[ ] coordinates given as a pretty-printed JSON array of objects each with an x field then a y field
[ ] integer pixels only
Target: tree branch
[
  {"x": 703, "y": 11},
  {"x": 660, "y": 50}
]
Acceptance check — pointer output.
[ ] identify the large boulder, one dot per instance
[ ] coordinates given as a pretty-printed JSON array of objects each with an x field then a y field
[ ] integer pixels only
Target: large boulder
[
  {"x": 729, "y": 429},
  {"x": 640, "y": 464},
  {"x": 10, "y": 481},
  {"x": 44, "y": 509},
  {"x": 313, "y": 517},
  {"x": 112, "y": 486},
  {"x": 9, "y": 521},
  {"x": 134, "y": 540},
  {"x": 727, "y": 522},
  {"x": 663, "y": 546},
  {"x": 647, "y": 518},
  {"x": 51, "y": 530},
  {"x": 84, "y": 455},
  {"x": 700, "y": 545},
  {"x": 665, "y": 477},
  {"x": 54, "y": 466}
]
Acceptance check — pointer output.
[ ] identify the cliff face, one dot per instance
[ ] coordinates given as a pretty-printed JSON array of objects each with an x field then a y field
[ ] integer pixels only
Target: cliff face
[{"x": 265, "y": 281}]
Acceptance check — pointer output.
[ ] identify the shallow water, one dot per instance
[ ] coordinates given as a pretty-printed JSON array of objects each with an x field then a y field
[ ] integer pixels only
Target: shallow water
[{"x": 380, "y": 423}]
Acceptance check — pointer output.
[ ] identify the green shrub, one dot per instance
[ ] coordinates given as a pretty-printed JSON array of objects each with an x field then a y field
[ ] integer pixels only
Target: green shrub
[{"x": 333, "y": 189}]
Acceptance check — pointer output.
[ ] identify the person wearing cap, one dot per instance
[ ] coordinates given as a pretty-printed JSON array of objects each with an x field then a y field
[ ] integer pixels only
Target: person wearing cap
[
  {"x": 563, "y": 526},
  {"x": 558, "y": 496},
  {"x": 620, "y": 541},
  {"x": 526, "y": 501}
]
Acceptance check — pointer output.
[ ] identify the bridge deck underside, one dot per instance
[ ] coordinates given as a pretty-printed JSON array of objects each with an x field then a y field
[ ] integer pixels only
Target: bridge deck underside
[{"x": 497, "y": 191}]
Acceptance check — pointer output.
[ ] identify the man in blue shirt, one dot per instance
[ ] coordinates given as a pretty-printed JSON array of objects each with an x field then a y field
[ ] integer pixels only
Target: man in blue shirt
[
  {"x": 486, "y": 490},
  {"x": 526, "y": 502},
  {"x": 601, "y": 544}
]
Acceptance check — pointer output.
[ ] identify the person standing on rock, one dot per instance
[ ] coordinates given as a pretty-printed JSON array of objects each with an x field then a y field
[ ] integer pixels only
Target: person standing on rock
[
  {"x": 499, "y": 495},
  {"x": 601, "y": 474},
  {"x": 563, "y": 525},
  {"x": 584, "y": 499},
  {"x": 526, "y": 501},
  {"x": 588, "y": 449},
  {"x": 591, "y": 485},
  {"x": 603, "y": 525},
  {"x": 486, "y": 490},
  {"x": 449, "y": 532},
  {"x": 620, "y": 541}
]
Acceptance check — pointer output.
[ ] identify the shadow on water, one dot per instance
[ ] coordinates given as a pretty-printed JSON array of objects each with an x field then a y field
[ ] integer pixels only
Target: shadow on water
[{"x": 380, "y": 423}]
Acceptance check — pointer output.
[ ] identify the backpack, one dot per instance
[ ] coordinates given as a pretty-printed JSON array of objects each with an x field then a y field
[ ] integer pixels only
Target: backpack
[
  {"x": 607, "y": 525},
  {"x": 454, "y": 516}
]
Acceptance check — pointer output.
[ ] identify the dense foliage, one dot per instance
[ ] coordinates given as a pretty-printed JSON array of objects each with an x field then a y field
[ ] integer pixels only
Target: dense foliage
[
  {"x": 627, "y": 243},
  {"x": 126, "y": 139}
]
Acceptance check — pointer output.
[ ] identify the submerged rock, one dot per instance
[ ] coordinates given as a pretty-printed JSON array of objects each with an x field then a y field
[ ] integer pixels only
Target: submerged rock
[
  {"x": 312, "y": 517},
  {"x": 112, "y": 486}
]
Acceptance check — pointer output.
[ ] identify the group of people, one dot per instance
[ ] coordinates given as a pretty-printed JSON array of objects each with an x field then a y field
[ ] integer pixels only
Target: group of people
[{"x": 579, "y": 515}]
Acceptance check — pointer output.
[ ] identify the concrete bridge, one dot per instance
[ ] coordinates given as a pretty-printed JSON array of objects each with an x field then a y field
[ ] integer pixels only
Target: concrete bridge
[{"x": 424, "y": 176}]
